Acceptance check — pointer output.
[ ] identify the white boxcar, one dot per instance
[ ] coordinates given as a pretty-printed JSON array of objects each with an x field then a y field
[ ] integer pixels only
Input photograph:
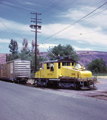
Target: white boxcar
[{"x": 17, "y": 70}]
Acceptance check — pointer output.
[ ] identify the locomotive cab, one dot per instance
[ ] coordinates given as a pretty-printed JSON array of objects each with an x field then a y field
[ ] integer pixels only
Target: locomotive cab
[{"x": 54, "y": 68}]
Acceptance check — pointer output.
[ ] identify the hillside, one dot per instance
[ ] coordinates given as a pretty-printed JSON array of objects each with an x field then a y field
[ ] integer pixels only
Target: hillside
[{"x": 87, "y": 56}]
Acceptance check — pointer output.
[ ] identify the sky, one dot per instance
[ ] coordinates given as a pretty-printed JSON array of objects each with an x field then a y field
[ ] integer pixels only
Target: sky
[{"x": 80, "y": 23}]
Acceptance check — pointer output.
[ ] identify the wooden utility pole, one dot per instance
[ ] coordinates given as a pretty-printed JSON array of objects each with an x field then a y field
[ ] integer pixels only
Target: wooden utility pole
[{"x": 36, "y": 27}]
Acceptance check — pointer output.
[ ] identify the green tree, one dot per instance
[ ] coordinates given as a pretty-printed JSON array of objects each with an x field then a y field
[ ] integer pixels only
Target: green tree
[
  {"x": 63, "y": 51},
  {"x": 40, "y": 60},
  {"x": 12, "y": 56},
  {"x": 25, "y": 45},
  {"x": 13, "y": 46},
  {"x": 97, "y": 66}
]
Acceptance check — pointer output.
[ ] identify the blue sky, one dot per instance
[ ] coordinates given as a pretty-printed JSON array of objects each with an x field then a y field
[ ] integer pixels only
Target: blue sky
[{"x": 63, "y": 22}]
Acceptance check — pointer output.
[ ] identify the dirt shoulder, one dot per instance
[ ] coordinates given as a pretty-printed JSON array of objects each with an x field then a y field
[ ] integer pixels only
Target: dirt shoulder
[{"x": 101, "y": 77}]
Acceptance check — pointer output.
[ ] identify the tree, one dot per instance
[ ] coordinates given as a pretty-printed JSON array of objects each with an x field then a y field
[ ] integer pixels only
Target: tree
[
  {"x": 12, "y": 56},
  {"x": 63, "y": 51},
  {"x": 13, "y": 46},
  {"x": 33, "y": 47},
  {"x": 40, "y": 60},
  {"x": 97, "y": 66},
  {"x": 25, "y": 45}
]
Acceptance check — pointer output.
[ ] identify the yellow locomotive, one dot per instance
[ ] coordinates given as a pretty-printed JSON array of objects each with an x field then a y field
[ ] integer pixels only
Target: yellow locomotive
[{"x": 64, "y": 72}]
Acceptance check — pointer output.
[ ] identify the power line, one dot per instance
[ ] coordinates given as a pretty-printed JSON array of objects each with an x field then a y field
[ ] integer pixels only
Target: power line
[
  {"x": 54, "y": 5},
  {"x": 11, "y": 4},
  {"x": 10, "y": 29},
  {"x": 76, "y": 21},
  {"x": 23, "y": 22},
  {"x": 48, "y": 50},
  {"x": 46, "y": 4},
  {"x": 86, "y": 21},
  {"x": 91, "y": 6}
]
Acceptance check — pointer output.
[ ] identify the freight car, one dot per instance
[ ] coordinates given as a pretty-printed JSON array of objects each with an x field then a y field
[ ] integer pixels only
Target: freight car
[
  {"x": 16, "y": 70},
  {"x": 64, "y": 72}
]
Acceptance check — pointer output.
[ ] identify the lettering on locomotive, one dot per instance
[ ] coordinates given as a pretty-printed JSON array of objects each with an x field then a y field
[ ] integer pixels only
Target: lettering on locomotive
[
  {"x": 72, "y": 74},
  {"x": 49, "y": 74}
]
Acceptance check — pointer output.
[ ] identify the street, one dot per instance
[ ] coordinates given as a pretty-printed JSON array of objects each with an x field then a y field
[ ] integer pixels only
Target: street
[{"x": 18, "y": 102}]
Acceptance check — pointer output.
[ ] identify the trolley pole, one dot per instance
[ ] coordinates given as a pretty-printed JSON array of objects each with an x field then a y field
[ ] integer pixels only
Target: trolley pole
[{"x": 36, "y": 27}]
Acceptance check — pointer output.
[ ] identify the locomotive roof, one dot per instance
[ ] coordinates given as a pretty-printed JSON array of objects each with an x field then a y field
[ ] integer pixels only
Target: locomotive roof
[{"x": 61, "y": 59}]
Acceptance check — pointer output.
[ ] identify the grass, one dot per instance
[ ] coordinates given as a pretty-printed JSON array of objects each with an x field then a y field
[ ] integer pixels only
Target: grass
[{"x": 100, "y": 74}]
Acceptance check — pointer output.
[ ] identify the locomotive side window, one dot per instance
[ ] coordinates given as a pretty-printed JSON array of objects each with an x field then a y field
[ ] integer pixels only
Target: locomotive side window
[
  {"x": 63, "y": 63},
  {"x": 59, "y": 66},
  {"x": 72, "y": 64},
  {"x": 68, "y": 63},
  {"x": 48, "y": 65}
]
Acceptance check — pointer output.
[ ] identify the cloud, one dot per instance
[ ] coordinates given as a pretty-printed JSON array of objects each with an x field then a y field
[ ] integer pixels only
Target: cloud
[
  {"x": 87, "y": 31},
  {"x": 97, "y": 18},
  {"x": 16, "y": 5},
  {"x": 81, "y": 49},
  {"x": 51, "y": 29},
  {"x": 76, "y": 33},
  {"x": 4, "y": 40},
  {"x": 29, "y": 3},
  {"x": 8, "y": 3},
  {"x": 85, "y": 34},
  {"x": 35, "y": 4},
  {"x": 78, "y": 13},
  {"x": 45, "y": 47},
  {"x": 15, "y": 27}
]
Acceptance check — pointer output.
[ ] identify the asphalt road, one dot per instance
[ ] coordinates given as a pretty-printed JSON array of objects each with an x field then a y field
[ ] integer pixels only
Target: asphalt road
[
  {"x": 101, "y": 85},
  {"x": 18, "y": 102}
]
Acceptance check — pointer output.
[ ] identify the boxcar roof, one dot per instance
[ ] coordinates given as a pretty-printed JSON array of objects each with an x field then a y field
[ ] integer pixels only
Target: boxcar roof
[{"x": 14, "y": 60}]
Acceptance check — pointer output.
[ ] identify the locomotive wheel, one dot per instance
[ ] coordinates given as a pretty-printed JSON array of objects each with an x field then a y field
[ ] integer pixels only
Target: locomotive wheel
[
  {"x": 77, "y": 86},
  {"x": 38, "y": 84},
  {"x": 49, "y": 85}
]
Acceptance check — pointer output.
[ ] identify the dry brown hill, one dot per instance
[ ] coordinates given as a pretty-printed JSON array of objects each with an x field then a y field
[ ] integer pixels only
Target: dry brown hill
[{"x": 87, "y": 56}]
